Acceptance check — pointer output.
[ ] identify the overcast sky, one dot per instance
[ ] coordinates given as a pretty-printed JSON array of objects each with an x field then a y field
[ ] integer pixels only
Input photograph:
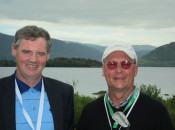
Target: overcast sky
[{"x": 102, "y": 22}]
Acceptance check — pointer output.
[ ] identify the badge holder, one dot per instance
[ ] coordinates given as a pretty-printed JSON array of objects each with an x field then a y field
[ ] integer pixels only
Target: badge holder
[{"x": 121, "y": 119}]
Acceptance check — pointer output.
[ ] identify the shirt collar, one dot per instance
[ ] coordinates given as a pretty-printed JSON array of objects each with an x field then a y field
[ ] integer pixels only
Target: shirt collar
[
  {"x": 123, "y": 103},
  {"x": 24, "y": 87}
]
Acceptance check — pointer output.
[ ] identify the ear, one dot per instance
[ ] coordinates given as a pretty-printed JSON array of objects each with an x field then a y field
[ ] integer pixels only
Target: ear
[
  {"x": 103, "y": 71},
  {"x": 48, "y": 56},
  {"x": 13, "y": 50},
  {"x": 136, "y": 70}
]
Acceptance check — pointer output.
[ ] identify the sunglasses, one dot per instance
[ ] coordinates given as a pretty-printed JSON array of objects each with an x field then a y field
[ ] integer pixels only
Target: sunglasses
[{"x": 126, "y": 64}]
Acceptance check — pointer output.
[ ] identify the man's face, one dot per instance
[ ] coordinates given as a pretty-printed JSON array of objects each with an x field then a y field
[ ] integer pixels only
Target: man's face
[
  {"x": 119, "y": 78},
  {"x": 31, "y": 57}
]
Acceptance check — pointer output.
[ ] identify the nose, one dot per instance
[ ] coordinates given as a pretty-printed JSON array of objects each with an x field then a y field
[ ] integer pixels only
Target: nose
[
  {"x": 119, "y": 68},
  {"x": 33, "y": 57}
]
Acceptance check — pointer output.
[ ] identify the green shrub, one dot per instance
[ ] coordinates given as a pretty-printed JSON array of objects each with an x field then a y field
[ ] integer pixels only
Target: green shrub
[
  {"x": 79, "y": 103},
  {"x": 155, "y": 93},
  {"x": 152, "y": 91}
]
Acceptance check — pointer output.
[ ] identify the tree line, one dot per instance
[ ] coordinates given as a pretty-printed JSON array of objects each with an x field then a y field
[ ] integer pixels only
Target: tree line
[
  {"x": 82, "y": 62},
  {"x": 60, "y": 62}
]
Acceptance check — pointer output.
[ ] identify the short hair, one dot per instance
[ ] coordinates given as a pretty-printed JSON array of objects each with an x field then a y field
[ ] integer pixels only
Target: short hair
[{"x": 32, "y": 32}]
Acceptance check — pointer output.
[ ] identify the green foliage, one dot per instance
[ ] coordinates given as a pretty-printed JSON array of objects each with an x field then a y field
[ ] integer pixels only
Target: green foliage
[
  {"x": 81, "y": 62},
  {"x": 60, "y": 62},
  {"x": 162, "y": 53},
  {"x": 155, "y": 93},
  {"x": 163, "y": 56},
  {"x": 73, "y": 62},
  {"x": 170, "y": 105},
  {"x": 79, "y": 103},
  {"x": 152, "y": 91},
  {"x": 153, "y": 63},
  {"x": 7, "y": 63}
]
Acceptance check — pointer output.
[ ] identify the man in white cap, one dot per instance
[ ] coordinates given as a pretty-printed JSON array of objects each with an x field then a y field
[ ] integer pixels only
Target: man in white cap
[{"x": 123, "y": 107}]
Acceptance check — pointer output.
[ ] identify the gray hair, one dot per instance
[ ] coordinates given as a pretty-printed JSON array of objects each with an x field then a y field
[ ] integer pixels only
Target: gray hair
[{"x": 31, "y": 33}]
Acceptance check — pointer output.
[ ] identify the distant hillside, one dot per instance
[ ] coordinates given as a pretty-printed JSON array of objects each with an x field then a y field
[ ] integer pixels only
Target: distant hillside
[
  {"x": 161, "y": 56},
  {"x": 59, "y": 49},
  {"x": 5, "y": 46},
  {"x": 98, "y": 47},
  {"x": 73, "y": 49},
  {"x": 68, "y": 49},
  {"x": 142, "y": 50}
]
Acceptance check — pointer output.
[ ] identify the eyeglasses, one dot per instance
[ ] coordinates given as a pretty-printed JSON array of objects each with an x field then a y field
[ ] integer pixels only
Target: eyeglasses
[{"x": 126, "y": 64}]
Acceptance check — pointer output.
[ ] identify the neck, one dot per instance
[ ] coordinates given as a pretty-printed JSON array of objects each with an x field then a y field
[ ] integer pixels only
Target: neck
[
  {"x": 31, "y": 83},
  {"x": 117, "y": 96}
]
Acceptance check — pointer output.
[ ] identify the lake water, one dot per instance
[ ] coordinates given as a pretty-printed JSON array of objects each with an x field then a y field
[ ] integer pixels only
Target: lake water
[{"x": 90, "y": 80}]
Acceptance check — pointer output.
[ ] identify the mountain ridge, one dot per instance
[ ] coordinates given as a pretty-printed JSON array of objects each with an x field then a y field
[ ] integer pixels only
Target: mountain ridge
[
  {"x": 68, "y": 49},
  {"x": 149, "y": 56},
  {"x": 163, "y": 56}
]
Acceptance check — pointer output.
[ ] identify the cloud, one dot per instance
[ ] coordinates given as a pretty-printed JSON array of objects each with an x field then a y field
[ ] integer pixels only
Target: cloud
[
  {"x": 98, "y": 21},
  {"x": 104, "y": 12}
]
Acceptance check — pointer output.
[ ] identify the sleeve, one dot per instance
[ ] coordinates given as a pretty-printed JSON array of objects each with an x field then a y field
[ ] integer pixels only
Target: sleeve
[
  {"x": 69, "y": 110},
  {"x": 167, "y": 123},
  {"x": 83, "y": 120}
]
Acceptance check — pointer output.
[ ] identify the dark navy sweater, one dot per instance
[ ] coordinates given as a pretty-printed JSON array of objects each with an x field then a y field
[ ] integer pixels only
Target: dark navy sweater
[{"x": 147, "y": 114}]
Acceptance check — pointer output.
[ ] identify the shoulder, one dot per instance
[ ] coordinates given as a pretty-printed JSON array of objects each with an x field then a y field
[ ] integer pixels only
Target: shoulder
[
  {"x": 152, "y": 111},
  {"x": 7, "y": 81},
  {"x": 150, "y": 104},
  {"x": 57, "y": 85},
  {"x": 55, "y": 82},
  {"x": 95, "y": 105},
  {"x": 147, "y": 100},
  {"x": 7, "y": 87}
]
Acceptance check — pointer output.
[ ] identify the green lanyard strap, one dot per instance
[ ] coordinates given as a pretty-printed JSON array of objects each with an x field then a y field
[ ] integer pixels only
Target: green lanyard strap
[{"x": 131, "y": 101}]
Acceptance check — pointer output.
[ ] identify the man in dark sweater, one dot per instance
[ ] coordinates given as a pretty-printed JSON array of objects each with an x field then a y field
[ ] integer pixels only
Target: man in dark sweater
[{"x": 123, "y": 107}]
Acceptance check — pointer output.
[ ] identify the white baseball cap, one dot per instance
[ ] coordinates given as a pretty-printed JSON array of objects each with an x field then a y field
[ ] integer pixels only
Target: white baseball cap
[{"x": 126, "y": 48}]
